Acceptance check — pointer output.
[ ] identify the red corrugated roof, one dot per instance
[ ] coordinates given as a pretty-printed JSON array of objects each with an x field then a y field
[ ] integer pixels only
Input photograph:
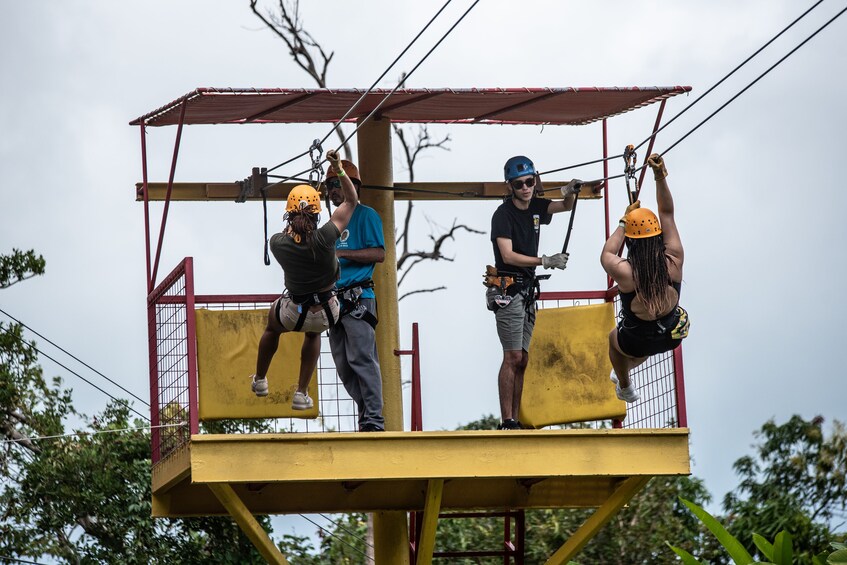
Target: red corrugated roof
[{"x": 570, "y": 106}]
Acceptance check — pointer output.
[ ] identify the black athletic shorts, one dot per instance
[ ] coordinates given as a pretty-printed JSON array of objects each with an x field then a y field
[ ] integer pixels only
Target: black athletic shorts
[{"x": 646, "y": 338}]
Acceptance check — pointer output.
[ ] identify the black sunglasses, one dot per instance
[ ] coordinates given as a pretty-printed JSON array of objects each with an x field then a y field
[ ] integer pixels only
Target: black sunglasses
[
  {"x": 333, "y": 183},
  {"x": 517, "y": 184}
]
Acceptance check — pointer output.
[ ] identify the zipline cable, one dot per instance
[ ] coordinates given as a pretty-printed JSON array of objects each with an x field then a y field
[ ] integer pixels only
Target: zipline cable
[
  {"x": 732, "y": 72},
  {"x": 688, "y": 107},
  {"x": 368, "y": 91},
  {"x": 338, "y": 525},
  {"x": 371, "y": 87},
  {"x": 119, "y": 400},
  {"x": 772, "y": 67},
  {"x": 410, "y": 73},
  {"x": 98, "y": 432},
  {"x": 336, "y": 536},
  {"x": 728, "y": 102},
  {"x": 72, "y": 356}
]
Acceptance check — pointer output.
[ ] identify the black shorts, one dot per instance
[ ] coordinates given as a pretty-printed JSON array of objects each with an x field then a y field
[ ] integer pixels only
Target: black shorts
[{"x": 646, "y": 338}]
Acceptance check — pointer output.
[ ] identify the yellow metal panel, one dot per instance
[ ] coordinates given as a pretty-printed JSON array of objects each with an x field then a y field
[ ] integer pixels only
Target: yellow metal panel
[
  {"x": 391, "y": 538},
  {"x": 186, "y": 499},
  {"x": 430, "y": 521},
  {"x": 424, "y": 455},
  {"x": 596, "y": 521},
  {"x": 567, "y": 379},
  {"x": 248, "y": 524},
  {"x": 172, "y": 469},
  {"x": 227, "y": 343}
]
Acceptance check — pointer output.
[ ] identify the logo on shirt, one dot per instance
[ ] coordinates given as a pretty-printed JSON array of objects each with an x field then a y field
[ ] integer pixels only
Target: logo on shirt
[
  {"x": 536, "y": 222},
  {"x": 344, "y": 235}
]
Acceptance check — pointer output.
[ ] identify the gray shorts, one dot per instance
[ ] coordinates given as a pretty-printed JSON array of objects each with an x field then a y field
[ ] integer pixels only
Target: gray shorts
[{"x": 515, "y": 322}]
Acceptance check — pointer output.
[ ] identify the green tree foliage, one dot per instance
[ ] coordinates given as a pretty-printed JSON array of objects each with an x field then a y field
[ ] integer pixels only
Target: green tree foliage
[
  {"x": 794, "y": 481},
  {"x": 85, "y": 498},
  {"x": 19, "y": 266}
]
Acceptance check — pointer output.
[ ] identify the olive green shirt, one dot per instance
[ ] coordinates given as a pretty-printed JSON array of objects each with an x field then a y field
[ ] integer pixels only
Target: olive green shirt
[{"x": 308, "y": 267}]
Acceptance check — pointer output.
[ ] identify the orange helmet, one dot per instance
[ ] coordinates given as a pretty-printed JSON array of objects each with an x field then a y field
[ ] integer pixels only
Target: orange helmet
[
  {"x": 641, "y": 223},
  {"x": 303, "y": 196},
  {"x": 349, "y": 168}
]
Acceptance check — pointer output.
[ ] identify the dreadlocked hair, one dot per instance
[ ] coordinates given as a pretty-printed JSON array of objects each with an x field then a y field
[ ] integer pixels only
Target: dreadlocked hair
[
  {"x": 302, "y": 224},
  {"x": 649, "y": 265}
]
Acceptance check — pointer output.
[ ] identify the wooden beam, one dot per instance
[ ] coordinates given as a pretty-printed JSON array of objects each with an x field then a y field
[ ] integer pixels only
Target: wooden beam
[{"x": 468, "y": 191}]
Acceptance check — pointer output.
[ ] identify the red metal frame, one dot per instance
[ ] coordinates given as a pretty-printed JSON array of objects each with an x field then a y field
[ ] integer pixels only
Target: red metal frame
[{"x": 417, "y": 415}]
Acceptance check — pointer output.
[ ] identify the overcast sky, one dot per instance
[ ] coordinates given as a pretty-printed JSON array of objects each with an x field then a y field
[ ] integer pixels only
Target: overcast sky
[{"x": 759, "y": 189}]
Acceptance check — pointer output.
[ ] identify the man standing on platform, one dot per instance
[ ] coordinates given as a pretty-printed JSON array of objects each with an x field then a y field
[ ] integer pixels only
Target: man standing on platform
[
  {"x": 515, "y": 231},
  {"x": 353, "y": 339}
]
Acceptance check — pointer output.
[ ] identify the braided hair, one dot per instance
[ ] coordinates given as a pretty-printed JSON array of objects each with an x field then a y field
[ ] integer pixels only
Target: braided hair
[
  {"x": 302, "y": 224},
  {"x": 649, "y": 265}
]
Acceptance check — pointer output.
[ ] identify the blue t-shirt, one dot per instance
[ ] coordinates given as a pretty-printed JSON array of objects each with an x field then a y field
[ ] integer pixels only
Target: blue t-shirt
[{"x": 364, "y": 231}]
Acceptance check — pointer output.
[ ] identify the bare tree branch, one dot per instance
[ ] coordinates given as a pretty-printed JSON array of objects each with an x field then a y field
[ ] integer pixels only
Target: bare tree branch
[
  {"x": 421, "y": 291},
  {"x": 302, "y": 46}
]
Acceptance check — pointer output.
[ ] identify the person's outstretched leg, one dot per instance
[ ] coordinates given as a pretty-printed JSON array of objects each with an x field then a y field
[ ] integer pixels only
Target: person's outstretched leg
[{"x": 308, "y": 359}]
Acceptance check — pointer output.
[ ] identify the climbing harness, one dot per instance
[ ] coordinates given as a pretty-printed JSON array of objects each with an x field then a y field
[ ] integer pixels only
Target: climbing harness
[
  {"x": 510, "y": 284},
  {"x": 305, "y": 302},
  {"x": 630, "y": 158},
  {"x": 349, "y": 298},
  {"x": 676, "y": 323}
]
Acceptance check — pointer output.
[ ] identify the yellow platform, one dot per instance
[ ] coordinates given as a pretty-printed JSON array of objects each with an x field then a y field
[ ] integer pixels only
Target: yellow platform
[{"x": 355, "y": 472}]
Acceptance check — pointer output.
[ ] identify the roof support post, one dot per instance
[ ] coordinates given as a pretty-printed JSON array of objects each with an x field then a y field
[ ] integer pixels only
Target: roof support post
[
  {"x": 432, "y": 508},
  {"x": 168, "y": 196},
  {"x": 624, "y": 493},
  {"x": 248, "y": 524},
  {"x": 391, "y": 535}
]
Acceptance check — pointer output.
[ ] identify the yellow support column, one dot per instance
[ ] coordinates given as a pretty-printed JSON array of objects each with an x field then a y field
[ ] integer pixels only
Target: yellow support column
[
  {"x": 391, "y": 535},
  {"x": 430, "y": 521},
  {"x": 248, "y": 524},
  {"x": 600, "y": 518}
]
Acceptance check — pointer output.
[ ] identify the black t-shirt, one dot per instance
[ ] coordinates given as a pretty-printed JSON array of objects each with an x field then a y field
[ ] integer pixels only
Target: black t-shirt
[{"x": 522, "y": 227}]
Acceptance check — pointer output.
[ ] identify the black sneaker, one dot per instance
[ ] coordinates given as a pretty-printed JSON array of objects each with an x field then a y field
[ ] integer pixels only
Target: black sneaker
[
  {"x": 509, "y": 424},
  {"x": 371, "y": 428}
]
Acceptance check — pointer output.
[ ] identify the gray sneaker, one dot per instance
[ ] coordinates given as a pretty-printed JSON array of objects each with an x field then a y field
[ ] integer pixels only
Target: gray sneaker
[
  {"x": 259, "y": 386},
  {"x": 301, "y": 401}
]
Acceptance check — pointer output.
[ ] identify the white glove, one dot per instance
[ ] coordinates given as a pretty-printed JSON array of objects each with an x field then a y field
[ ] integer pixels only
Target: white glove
[
  {"x": 557, "y": 261},
  {"x": 571, "y": 188}
]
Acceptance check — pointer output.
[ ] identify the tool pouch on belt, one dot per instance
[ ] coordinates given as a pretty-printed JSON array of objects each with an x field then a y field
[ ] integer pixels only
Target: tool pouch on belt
[
  {"x": 350, "y": 304},
  {"x": 506, "y": 288}
]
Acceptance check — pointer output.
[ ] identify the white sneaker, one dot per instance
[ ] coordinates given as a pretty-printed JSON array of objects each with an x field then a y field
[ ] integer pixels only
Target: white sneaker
[
  {"x": 301, "y": 401},
  {"x": 627, "y": 394},
  {"x": 259, "y": 386}
]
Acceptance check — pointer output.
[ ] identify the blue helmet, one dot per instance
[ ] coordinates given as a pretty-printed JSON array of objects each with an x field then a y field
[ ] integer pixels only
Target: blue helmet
[{"x": 518, "y": 166}]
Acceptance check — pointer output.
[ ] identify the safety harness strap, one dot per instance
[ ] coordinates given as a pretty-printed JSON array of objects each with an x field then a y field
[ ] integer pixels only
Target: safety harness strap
[
  {"x": 350, "y": 296},
  {"x": 306, "y": 301}
]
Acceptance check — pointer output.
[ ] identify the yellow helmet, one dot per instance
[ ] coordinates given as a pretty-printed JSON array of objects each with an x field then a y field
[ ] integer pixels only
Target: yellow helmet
[
  {"x": 303, "y": 196},
  {"x": 641, "y": 223}
]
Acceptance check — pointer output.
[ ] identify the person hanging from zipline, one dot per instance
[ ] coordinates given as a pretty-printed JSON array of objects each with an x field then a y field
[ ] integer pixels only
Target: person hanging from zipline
[
  {"x": 511, "y": 281},
  {"x": 307, "y": 256},
  {"x": 649, "y": 281}
]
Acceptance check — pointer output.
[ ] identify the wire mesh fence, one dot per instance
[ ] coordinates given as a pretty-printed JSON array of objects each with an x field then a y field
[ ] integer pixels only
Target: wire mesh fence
[{"x": 658, "y": 380}]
